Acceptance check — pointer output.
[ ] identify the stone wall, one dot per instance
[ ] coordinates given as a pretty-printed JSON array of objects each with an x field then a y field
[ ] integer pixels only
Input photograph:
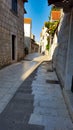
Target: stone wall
[
  {"x": 64, "y": 59},
  {"x": 53, "y": 50},
  {"x": 69, "y": 63},
  {"x": 63, "y": 36},
  {"x": 27, "y": 41},
  {"x": 11, "y": 24}
]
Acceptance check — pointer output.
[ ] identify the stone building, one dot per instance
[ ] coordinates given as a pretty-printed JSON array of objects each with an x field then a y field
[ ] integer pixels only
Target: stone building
[
  {"x": 55, "y": 15},
  {"x": 64, "y": 56},
  {"x": 43, "y": 40},
  {"x": 34, "y": 45},
  {"x": 11, "y": 31},
  {"x": 27, "y": 33}
]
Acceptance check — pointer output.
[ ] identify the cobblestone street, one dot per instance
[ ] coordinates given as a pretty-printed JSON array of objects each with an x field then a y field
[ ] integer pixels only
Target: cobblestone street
[{"x": 38, "y": 104}]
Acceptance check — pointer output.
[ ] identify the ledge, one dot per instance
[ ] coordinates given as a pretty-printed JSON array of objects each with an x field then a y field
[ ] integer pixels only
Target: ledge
[
  {"x": 68, "y": 96},
  {"x": 65, "y": 4}
]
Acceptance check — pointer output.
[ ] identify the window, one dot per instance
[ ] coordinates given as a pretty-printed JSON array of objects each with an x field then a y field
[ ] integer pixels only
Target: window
[{"x": 14, "y": 6}]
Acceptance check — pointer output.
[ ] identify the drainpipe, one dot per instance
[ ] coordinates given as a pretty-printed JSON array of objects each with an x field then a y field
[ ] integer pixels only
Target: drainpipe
[{"x": 68, "y": 48}]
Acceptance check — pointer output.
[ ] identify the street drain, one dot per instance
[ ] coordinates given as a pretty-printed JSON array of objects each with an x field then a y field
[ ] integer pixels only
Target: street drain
[
  {"x": 50, "y": 70},
  {"x": 53, "y": 81}
]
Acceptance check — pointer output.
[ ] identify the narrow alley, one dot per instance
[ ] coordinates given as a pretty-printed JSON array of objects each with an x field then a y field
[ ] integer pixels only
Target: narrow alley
[
  {"x": 38, "y": 103},
  {"x": 36, "y": 65}
]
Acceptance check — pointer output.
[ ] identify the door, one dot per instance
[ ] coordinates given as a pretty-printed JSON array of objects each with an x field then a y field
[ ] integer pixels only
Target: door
[{"x": 13, "y": 47}]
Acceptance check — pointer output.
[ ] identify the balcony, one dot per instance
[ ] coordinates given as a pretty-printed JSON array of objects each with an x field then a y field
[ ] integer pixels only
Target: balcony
[{"x": 65, "y": 4}]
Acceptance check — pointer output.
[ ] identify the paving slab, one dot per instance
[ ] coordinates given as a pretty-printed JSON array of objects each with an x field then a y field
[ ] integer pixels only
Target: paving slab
[
  {"x": 11, "y": 77},
  {"x": 36, "y": 105},
  {"x": 17, "y": 113},
  {"x": 50, "y": 109}
]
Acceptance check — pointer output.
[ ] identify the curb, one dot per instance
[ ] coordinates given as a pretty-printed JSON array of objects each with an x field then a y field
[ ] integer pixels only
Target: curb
[
  {"x": 28, "y": 73},
  {"x": 67, "y": 101}
]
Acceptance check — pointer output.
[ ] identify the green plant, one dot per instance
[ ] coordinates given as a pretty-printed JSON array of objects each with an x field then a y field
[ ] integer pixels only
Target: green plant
[
  {"x": 47, "y": 46},
  {"x": 47, "y": 24},
  {"x": 51, "y": 26},
  {"x": 48, "y": 43}
]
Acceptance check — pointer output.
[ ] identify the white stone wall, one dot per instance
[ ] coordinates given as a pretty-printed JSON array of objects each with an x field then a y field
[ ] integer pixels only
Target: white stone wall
[
  {"x": 27, "y": 31},
  {"x": 62, "y": 47},
  {"x": 43, "y": 39},
  {"x": 69, "y": 62},
  {"x": 64, "y": 59},
  {"x": 53, "y": 49}
]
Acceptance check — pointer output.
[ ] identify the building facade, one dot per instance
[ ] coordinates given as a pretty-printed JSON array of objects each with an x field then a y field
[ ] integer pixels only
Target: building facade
[
  {"x": 11, "y": 31},
  {"x": 64, "y": 63},
  {"x": 56, "y": 16},
  {"x": 34, "y": 45},
  {"x": 27, "y": 33},
  {"x": 43, "y": 40},
  {"x": 64, "y": 56}
]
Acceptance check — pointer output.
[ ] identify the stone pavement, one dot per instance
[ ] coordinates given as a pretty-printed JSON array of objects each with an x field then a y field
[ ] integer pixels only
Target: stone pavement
[
  {"x": 12, "y": 76},
  {"x": 17, "y": 113},
  {"x": 50, "y": 109},
  {"x": 38, "y": 104}
]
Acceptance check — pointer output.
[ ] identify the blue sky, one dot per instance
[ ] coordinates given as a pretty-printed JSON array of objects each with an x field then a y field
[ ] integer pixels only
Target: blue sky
[{"x": 39, "y": 11}]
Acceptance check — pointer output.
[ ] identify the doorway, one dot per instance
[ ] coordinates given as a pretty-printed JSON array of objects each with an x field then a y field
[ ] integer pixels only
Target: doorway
[{"x": 13, "y": 47}]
